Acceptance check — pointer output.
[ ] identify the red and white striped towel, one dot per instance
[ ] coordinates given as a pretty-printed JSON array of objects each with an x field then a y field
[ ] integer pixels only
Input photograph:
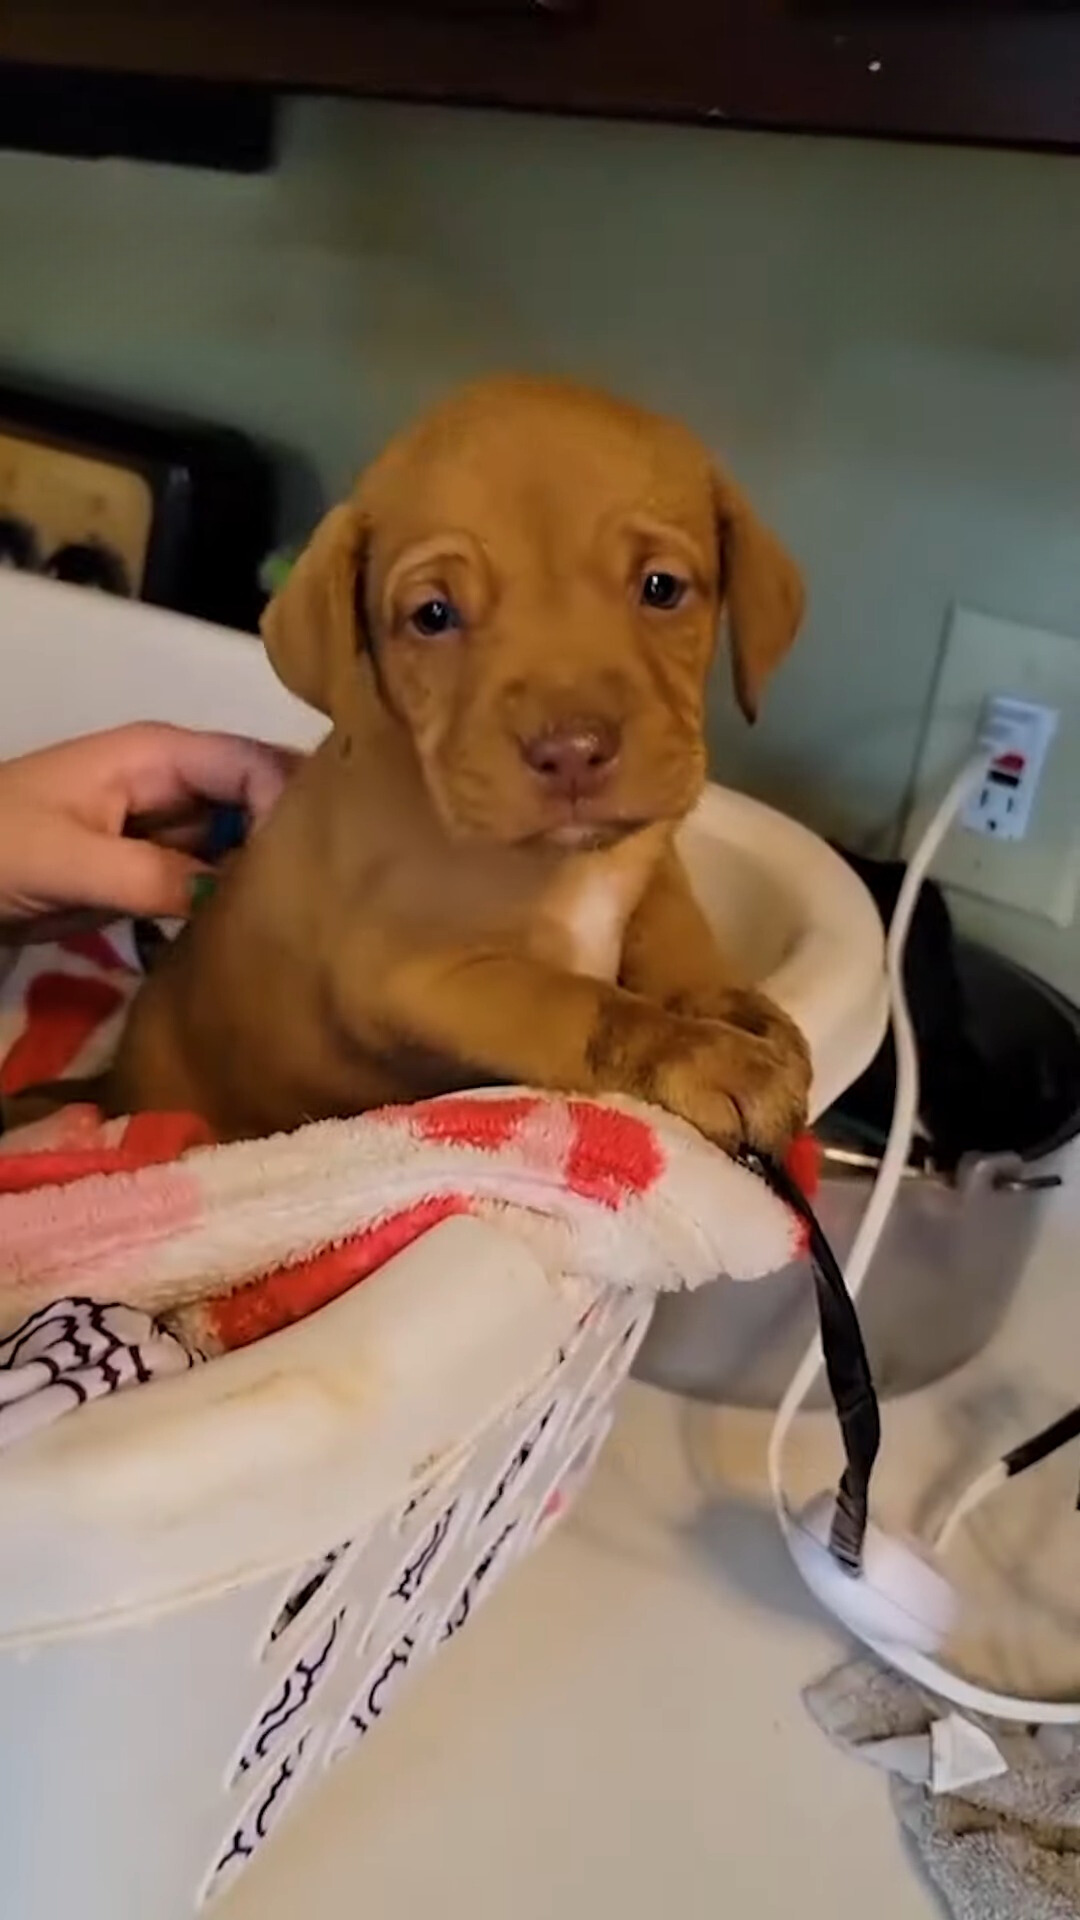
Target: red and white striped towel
[{"x": 232, "y": 1242}]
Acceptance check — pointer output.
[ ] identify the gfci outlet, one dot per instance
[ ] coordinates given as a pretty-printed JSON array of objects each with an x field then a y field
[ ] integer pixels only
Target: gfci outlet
[
  {"x": 1017, "y": 735},
  {"x": 1017, "y": 690}
]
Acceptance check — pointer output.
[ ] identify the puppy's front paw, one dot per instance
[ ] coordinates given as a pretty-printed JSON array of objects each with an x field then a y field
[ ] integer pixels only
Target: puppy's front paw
[{"x": 745, "y": 1081}]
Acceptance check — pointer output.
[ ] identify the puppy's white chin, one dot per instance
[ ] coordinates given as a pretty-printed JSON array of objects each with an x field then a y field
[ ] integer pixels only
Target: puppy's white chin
[
  {"x": 590, "y": 836},
  {"x": 577, "y": 834}
]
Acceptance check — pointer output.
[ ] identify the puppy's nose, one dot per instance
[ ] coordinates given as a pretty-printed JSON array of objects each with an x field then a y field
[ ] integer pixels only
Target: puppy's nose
[{"x": 574, "y": 760}]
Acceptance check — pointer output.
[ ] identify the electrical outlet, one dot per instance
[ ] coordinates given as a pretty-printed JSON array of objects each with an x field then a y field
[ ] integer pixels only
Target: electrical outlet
[
  {"x": 1030, "y": 860},
  {"x": 1017, "y": 734}
]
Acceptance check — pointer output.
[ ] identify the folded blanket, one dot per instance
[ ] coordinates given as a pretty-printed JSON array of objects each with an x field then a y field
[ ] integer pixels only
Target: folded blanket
[{"x": 231, "y": 1242}]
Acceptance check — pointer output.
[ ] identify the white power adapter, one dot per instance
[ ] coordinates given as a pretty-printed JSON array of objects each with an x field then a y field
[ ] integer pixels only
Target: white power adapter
[{"x": 1017, "y": 734}]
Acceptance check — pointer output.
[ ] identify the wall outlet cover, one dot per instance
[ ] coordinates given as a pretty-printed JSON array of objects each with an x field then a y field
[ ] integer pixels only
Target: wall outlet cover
[{"x": 982, "y": 658}]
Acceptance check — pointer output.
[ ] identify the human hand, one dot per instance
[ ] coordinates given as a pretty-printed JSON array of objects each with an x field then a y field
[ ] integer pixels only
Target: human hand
[{"x": 66, "y": 814}]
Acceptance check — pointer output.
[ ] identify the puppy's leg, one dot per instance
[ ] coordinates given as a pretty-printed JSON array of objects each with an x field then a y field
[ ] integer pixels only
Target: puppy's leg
[
  {"x": 505, "y": 1018},
  {"x": 670, "y": 955}
]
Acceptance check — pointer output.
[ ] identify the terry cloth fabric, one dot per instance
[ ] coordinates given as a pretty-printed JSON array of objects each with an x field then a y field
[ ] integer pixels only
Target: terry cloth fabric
[
  {"x": 235, "y": 1241},
  {"x": 76, "y": 1351},
  {"x": 996, "y": 1848},
  {"x": 62, "y": 1006}
]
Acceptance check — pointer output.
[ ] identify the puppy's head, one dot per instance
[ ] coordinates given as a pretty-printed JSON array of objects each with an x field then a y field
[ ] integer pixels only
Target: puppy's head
[{"x": 535, "y": 575}]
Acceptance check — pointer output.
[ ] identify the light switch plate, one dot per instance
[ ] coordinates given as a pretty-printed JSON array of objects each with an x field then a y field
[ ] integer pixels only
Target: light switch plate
[{"x": 984, "y": 656}]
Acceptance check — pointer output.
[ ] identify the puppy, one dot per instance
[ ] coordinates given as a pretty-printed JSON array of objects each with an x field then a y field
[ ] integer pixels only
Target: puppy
[{"x": 473, "y": 880}]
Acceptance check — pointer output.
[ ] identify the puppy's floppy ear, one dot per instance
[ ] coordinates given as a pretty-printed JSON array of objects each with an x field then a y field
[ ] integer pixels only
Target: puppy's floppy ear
[
  {"x": 763, "y": 592},
  {"x": 312, "y": 627}
]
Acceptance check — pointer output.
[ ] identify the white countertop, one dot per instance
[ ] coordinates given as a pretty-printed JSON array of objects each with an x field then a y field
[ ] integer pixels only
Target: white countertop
[{"x": 622, "y": 1733}]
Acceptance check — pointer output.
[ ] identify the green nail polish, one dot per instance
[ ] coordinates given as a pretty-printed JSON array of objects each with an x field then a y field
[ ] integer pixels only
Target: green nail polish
[{"x": 202, "y": 887}]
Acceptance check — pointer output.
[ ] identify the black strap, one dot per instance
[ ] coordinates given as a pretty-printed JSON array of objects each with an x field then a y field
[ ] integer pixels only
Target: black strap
[{"x": 847, "y": 1369}]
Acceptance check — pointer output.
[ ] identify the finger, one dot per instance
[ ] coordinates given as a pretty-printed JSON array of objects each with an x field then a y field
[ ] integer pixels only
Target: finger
[
  {"x": 163, "y": 767},
  {"x": 103, "y": 871},
  {"x": 148, "y": 768}
]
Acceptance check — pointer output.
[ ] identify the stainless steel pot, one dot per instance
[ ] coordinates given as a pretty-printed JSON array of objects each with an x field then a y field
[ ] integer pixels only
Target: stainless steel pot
[{"x": 951, "y": 1256}]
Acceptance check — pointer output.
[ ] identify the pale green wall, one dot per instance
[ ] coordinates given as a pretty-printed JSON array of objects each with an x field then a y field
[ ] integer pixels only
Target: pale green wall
[{"x": 885, "y": 341}]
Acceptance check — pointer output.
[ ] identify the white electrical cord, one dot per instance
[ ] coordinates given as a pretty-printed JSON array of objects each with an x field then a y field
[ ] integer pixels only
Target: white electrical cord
[
  {"x": 899, "y": 1606},
  {"x": 905, "y": 1114},
  {"x": 1030, "y": 1453},
  {"x": 973, "y": 1496}
]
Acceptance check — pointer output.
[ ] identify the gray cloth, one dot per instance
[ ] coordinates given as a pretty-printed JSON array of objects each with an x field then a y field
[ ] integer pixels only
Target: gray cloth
[{"x": 1005, "y": 1848}]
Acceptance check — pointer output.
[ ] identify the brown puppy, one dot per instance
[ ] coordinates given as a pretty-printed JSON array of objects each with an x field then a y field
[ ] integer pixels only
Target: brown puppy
[{"x": 473, "y": 880}]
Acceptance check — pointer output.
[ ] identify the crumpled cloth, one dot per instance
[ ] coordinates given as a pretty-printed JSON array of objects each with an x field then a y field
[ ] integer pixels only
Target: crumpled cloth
[
  {"x": 75, "y": 1351},
  {"x": 231, "y": 1242},
  {"x": 1003, "y": 1848}
]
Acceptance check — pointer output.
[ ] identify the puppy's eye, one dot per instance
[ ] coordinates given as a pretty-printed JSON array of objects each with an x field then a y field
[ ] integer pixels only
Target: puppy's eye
[
  {"x": 435, "y": 618},
  {"x": 662, "y": 591}
]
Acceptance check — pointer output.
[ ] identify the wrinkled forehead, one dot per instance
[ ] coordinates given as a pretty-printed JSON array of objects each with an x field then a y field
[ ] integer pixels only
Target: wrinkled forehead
[{"x": 529, "y": 482}]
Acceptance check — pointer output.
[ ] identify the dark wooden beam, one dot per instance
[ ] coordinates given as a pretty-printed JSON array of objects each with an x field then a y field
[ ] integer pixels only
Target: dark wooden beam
[{"x": 1006, "y": 74}]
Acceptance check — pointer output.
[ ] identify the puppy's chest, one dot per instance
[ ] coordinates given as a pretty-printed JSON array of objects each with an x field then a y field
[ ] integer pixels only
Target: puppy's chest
[{"x": 580, "y": 920}]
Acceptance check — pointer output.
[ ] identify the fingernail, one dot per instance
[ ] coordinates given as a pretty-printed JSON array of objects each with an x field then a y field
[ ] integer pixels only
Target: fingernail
[{"x": 202, "y": 886}]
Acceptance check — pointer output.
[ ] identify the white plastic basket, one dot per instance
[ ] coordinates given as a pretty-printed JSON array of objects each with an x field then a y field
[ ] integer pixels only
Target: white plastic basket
[
  {"x": 214, "y": 1587},
  {"x": 165, "y": 1737}
]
